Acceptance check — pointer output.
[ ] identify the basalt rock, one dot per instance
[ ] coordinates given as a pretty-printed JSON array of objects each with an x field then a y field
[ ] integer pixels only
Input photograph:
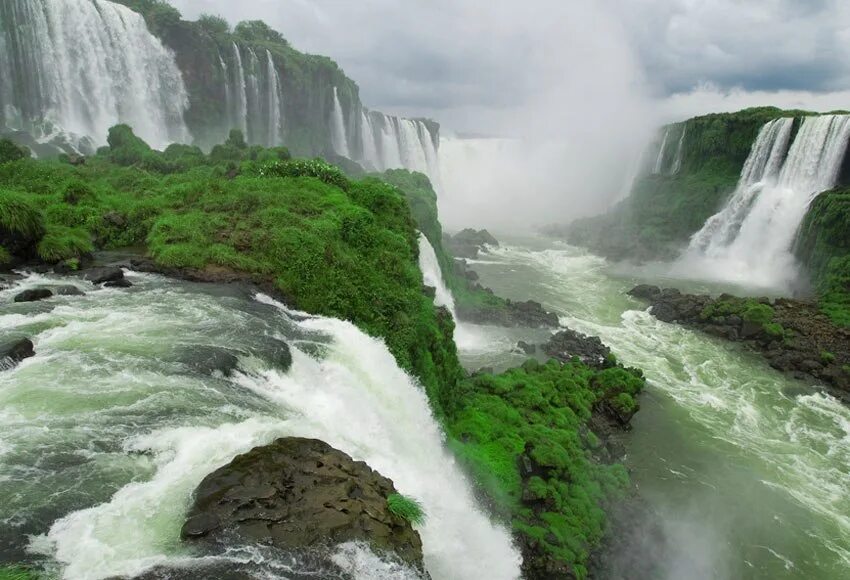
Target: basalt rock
[
  {"x": 468, "y": 243},
  {"x": 103, "y": 275},
  {"x": 13, "y": 352},
  {"x": 299, "y": 494},
  {"x": 569, "y": 344},
  {"x": 530, "y": 314},
  {"x": 33, "y": 295},
  {"x": 792, "y": 335}
]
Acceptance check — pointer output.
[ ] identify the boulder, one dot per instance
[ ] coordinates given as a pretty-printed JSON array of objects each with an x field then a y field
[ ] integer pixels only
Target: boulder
[
  {"x": 645, "y": 292},
  {"x": 104, "y": 274},
  {"x": 33, "y": 295},
  {"x": 13, "y": 352},
  {"x": 120, "y": 283},
  {"x": 299, "y": 493},
  {"x": 210, "y": 359},
  {"x": 68, "y": 290},
  {"x": 568, "y": 344},
  {"x": 526, "y": 347}
]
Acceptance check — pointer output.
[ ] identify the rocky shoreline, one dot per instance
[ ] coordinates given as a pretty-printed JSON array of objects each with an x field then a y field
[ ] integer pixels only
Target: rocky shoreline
[{"x": 792, "y": 335}]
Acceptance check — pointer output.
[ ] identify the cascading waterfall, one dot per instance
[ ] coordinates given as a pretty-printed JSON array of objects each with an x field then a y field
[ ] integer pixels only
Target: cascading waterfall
[
  {"x": 390, "y": 151},
  {"x": 240, "y": 111},
  {"x": 118, "y": 433},
  {"x": 339, "y": 137},
  {"x": 433, "y": 276},
  {"x": 368, "y": 143},
  {"x": 256, "y": 124},
  {"x": 82, "y": 66},
  {"x": 393, "y": 142},
  {"x": 750, "y": 240},
  {"x": 677, "y": 162},
  {"x": 659, "y": 160},
  {"x": 274, "y": 102}
]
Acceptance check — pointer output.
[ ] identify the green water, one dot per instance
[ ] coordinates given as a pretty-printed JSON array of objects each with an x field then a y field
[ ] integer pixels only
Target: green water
[{"x": 749, "y": 470}]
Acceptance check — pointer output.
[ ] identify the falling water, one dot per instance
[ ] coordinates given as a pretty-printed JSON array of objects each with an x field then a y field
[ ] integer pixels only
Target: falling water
[
  {"x": 677, "y": 162},
  {"x": 368, "y": 145},
  {"x": 433, "y": 275},
  {"x": 240, "y": 111},
  {"x": 81, "y": 66},
  {"x": 339, "y": 138},
  {"x": 390, "y": 152},
  {"x": 255, "y": 117},
  {"x": 750, "y": 240},
  {"x": 659, "y": 161},
  {"x": 275, "y": 121}
]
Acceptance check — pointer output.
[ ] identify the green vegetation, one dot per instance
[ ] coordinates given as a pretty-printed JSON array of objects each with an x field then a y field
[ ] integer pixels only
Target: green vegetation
[
  {"x": 823, "y": 245},
  {"x": 9, "y": 151},
  {"x": 664, "y": 210},
  {"x": 524, "y": 436},
  {"x": 827, "y": 357},
  {"x": 406, "y": 508},
  {"x": 749, "y": 309},
  {"x": 17, "y": 573}
]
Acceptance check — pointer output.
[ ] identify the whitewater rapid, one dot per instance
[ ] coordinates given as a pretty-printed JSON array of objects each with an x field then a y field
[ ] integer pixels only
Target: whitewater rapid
[
  {"x": 109, "y": 428},
  {"x": 748, "y": 469}
]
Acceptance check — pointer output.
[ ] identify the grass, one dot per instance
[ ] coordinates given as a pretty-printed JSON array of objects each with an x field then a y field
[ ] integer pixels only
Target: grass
[
  {"x": 406, "y": 508},
  {"x": 17, "y": 573}
]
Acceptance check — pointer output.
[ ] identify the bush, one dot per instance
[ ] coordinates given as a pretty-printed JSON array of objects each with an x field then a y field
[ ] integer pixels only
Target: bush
[
  {"x": 758, "y": 313},
  {"x": 307, "y": 168},
  {"x": 63, "y": 243},
  {"x": 406, "y": 508},
  {"x": 77, "y": 191},
  {"x": 9, "y": 151},
  {"x": 827, "y": 357},
  {"x": 21, "y": 224},
  {"x": 214, "y": 24}
]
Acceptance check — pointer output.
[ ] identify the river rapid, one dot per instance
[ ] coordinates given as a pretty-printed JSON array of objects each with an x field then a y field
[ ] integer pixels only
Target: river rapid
[{"x": 749, "y": 470}]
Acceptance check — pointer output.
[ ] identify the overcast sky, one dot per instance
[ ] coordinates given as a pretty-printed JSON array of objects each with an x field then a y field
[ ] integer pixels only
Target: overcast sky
[{"x": 468, "y": 62}]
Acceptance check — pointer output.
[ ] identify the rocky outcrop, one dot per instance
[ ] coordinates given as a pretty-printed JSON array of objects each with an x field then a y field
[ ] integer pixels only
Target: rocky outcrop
[
  {"x": 793, "y": 335},
  {"x": 299, "y": 493},
  {"x": 468, "y": 243},
  {"x": 568, "y": 344},
  {"x": 530, "y": 314},
  {"x": 13, "y": 352}
]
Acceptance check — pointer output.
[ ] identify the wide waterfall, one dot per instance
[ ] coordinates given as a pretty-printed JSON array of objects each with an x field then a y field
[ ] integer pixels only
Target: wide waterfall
[
  {"x": 107, "y": 431},
  {"x": 433, "y": 275},
  {"x": 81, "y": 66},
  {"x": 750, "y": 240}
]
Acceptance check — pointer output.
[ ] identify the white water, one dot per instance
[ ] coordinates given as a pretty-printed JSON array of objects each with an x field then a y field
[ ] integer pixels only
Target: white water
[
  {"x": 339, "y": 138},
  {"x": 677, "y": 162},
  {"x": 750, "y": 240},
  {"x": 432, "y": 275},
  {"x": 659, "y": 160},
  {"x": 82, "y": 66},
  {"x": 256, "y": 122},
  {"x": 368, "y": 142},
  {"x": 240, "y": 111},
  {"x": 118, "y": 433},
  {"x": 274, "y": 102}
]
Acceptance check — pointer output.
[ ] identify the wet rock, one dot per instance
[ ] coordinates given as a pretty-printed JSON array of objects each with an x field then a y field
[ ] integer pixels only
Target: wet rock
[
  {"x": 468, "y": 243},
  {"x": 68, "y": 290},
  {"x": 299, "y": 493},
  {"x": 33, "y": 295},
  {"x": 645, "y": 292},
  {"x": 120, "y": 283},
  {"x": 103, "y": 275},
  {"x": 13, "y": 352},
  {"x": 527, "y": 348},
  {"x": 568, "y": 344},
  {"x": 210, "y": 359}
]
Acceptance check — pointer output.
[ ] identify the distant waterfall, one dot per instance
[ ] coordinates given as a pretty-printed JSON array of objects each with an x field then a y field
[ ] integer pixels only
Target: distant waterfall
[
  {"x": 273, "y": 103},
  {"x": 677, "y": 162},
  {"x": 659, "y": 161},
  {"x": 81, "y": 66},
  {"x": 240, "y": 111},
  {"x": 339, "y": 137},
  {"x": 432, "y": 275},
  {"x": 751, "y": 238},
  {"x": 393, "y": 142},
  {"x": 255, "y": 115}
]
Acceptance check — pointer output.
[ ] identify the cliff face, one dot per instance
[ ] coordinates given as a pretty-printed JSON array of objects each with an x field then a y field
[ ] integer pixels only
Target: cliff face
[{"x": 688, "y": 172}]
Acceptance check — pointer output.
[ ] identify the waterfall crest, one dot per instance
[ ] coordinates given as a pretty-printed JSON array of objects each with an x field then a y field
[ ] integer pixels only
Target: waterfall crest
[
  {"x": 388, "y": 142},
  {"x": 750, "y": 240},
  {"x": 82, "y": 66}
]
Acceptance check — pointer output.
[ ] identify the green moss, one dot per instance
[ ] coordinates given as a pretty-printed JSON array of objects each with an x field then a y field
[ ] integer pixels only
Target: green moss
[
  {"x": 535, "y": 414},
  {"x": 827, "y": 357},
  {"x": 406, "y": 508}
]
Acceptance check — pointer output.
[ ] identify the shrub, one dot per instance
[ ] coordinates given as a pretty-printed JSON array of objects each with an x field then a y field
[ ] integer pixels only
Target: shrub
[
  {"x": 307, "y": 168},
  {"x": 214, "y": 24},
  {"x": 827, "y": 357},
  {"x": 21, "y": 224},
  {"x": 758, "y": 313},
  {"x": 9, "y": 151},
  {"x": 77, "y": 191},
  {"x": 406, "y": 508},
  {"x": 63, "y": 243}
]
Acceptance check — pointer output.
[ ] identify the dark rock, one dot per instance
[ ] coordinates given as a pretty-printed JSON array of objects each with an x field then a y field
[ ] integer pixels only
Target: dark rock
[
  {"x": 120, "y": 283},
  {"x": 68, "y": 290},
  {"x": 468, "y": 243},
  {"x": 210, "y": 359},
  {"x": 429, "y": 291},
  {"x": 750, "y": 329},
  {"x": 645, "y": 292},
  {"x": 33, "y": 295},
  {"x": 113, "y": 218},
  {"x": 104, "y": 274},
  {"x": 299, "y": 493},
  {"x": 526, "y": 347},
  {"x": 13, "y": 352},
  {"x": 568, "y": 344}
]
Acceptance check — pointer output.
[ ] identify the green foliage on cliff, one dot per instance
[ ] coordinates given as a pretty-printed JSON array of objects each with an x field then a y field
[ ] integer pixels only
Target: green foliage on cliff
[
  {"x": 524, "y": 434},
  {"x": 406, "y": 508},
  {"x": 422, "y": 198},
  {"x": 665, "y": 209},
  {"x": 823, "y": 245},
  {"x": 330, "y": 245}
]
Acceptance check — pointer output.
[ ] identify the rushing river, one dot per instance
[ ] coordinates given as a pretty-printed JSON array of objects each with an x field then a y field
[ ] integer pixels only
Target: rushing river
[
  {"x": 105, "y": 433},
  {"x": 749, "y": 470}
]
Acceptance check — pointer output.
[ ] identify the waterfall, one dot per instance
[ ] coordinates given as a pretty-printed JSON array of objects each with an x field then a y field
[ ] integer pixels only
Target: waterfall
[
  {"x": 750, "y": 239},
  {"x": 274, "y": 102},
  {"x": 433, "y": 275},
  {"x": 228, "y": 92},
  {"x": 659, "y": 161},
  {"x": 81, "y": 66},
  {"x": 339, "y": 138},
  {"x": 240, "y": 112},
  {"x": 412, "y": 152},
  {"x": 677, "y": 162},
  {"x": 368, "y": 145},
  {"x": 390, "y": 152},
  {"x": 127, "y": 453},
  {"x": 255, "y": 117}
]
